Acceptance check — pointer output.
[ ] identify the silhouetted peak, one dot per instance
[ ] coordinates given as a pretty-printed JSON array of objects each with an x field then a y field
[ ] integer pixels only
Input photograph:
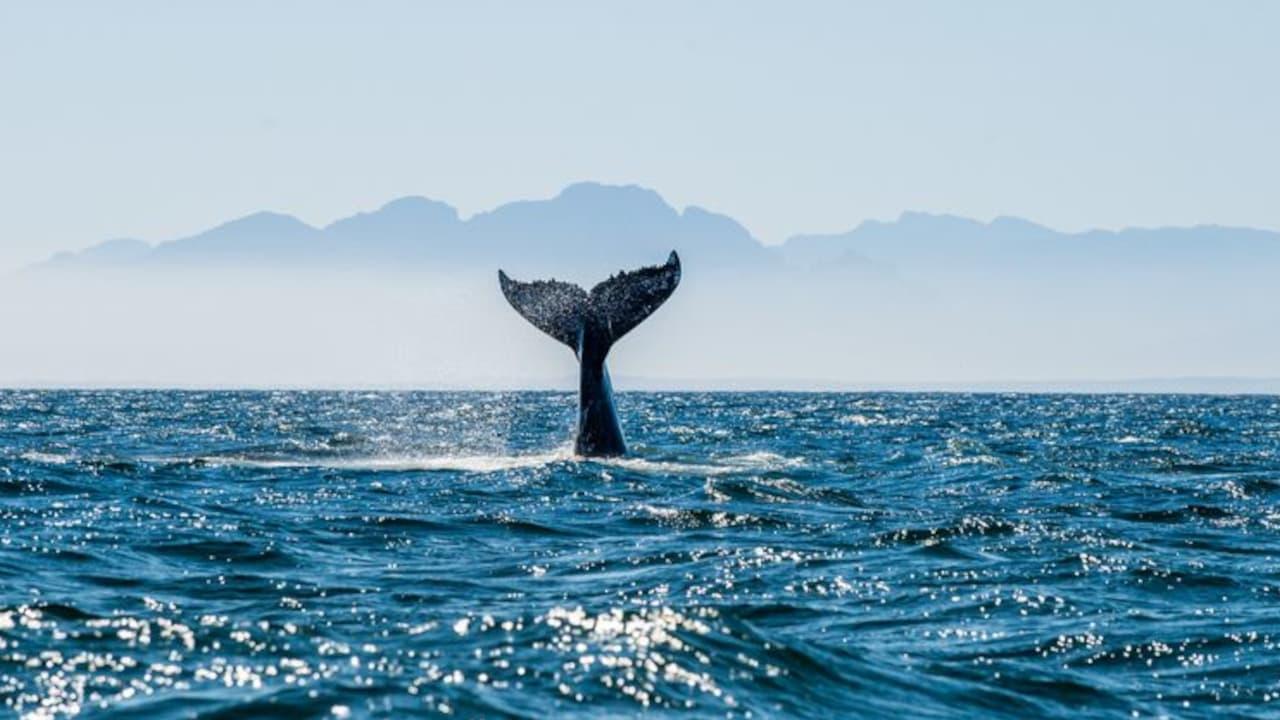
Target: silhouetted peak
[
  {"x": 257, "y": 236},
  {"x": 916, "y": 219},
  {"x": 1011, "y": 223},
  {"x": 418, "y": 206},
  {"x": 593, "y": 196},
  {"x": 259, "y": 222},
  {"x": 406, "y": 213},
  {"x": 110, "y": 252}
]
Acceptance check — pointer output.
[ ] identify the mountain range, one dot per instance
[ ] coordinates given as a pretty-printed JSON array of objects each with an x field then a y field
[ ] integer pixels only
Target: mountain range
[
  {"x": 591, "y": 226},
  {"x": 407, "y": 296}
]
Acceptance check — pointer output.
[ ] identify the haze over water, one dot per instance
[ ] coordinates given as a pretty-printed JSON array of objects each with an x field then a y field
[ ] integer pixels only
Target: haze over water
[{"x": 164, "y": 554}]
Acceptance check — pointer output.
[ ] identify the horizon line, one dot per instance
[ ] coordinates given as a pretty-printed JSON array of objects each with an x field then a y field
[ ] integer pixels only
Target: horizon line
[{"x": 1185, "y": 385}]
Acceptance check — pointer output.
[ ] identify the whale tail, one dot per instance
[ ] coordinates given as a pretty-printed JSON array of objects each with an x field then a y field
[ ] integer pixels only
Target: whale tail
[
  {"x": 590, "y": 323},
  {"x": 613, "y": 308}
]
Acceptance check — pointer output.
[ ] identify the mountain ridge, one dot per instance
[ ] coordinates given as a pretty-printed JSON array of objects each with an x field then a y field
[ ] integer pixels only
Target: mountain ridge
[{"x": 596, "y": 224}]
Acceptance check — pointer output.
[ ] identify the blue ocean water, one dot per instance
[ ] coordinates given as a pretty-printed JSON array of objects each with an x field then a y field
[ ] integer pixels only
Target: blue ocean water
[{"x": 169, "y": 554}]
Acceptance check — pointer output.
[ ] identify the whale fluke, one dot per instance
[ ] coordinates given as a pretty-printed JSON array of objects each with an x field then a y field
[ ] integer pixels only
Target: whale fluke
[
  {"x": 626, "y": 299},
  {"x": 617, "y": 305},
  {"x": 556, "y": 308},
  {"x": 590, "y": 323}
]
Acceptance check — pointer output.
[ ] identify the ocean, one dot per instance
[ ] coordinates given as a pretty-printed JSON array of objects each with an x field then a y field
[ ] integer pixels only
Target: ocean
[{"x": 757, "y": 555}]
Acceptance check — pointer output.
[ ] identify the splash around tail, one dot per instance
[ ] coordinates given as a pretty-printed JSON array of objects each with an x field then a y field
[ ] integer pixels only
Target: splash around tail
[{"x": 590, "y": 323}]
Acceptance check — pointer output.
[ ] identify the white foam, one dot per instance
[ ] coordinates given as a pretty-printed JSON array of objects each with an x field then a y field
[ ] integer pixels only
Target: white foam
[
  {"x": 459, "y": 463},
  {"x": 718, "y": 466},
  {"x": 478, "y": 463},
  {"x": 46, "y": 458}
]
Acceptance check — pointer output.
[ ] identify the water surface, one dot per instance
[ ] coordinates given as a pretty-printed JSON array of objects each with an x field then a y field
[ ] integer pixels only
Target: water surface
[{"x": 168, "y": 555}]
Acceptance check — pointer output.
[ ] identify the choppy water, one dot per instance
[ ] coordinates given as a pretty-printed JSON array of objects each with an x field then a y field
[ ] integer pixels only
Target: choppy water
[{"x": 759, "y": 555}]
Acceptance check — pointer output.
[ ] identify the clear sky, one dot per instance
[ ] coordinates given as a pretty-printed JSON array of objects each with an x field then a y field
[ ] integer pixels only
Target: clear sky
[{"x": 159, "y": 119}]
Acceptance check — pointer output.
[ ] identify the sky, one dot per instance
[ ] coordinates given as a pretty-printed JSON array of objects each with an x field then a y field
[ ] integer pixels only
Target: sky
[{"x": 157, "y": 119}]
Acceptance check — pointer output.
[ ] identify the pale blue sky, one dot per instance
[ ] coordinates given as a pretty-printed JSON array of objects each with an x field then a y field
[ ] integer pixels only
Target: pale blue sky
[{"x": 155, "y": 120}]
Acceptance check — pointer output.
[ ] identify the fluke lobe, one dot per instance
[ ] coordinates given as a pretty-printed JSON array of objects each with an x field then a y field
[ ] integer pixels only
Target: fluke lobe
[{"x": 590, "y": 323}]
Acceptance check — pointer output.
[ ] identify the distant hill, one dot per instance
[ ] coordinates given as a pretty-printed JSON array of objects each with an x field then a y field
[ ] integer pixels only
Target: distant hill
[{"x": 591, "y": 228}]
